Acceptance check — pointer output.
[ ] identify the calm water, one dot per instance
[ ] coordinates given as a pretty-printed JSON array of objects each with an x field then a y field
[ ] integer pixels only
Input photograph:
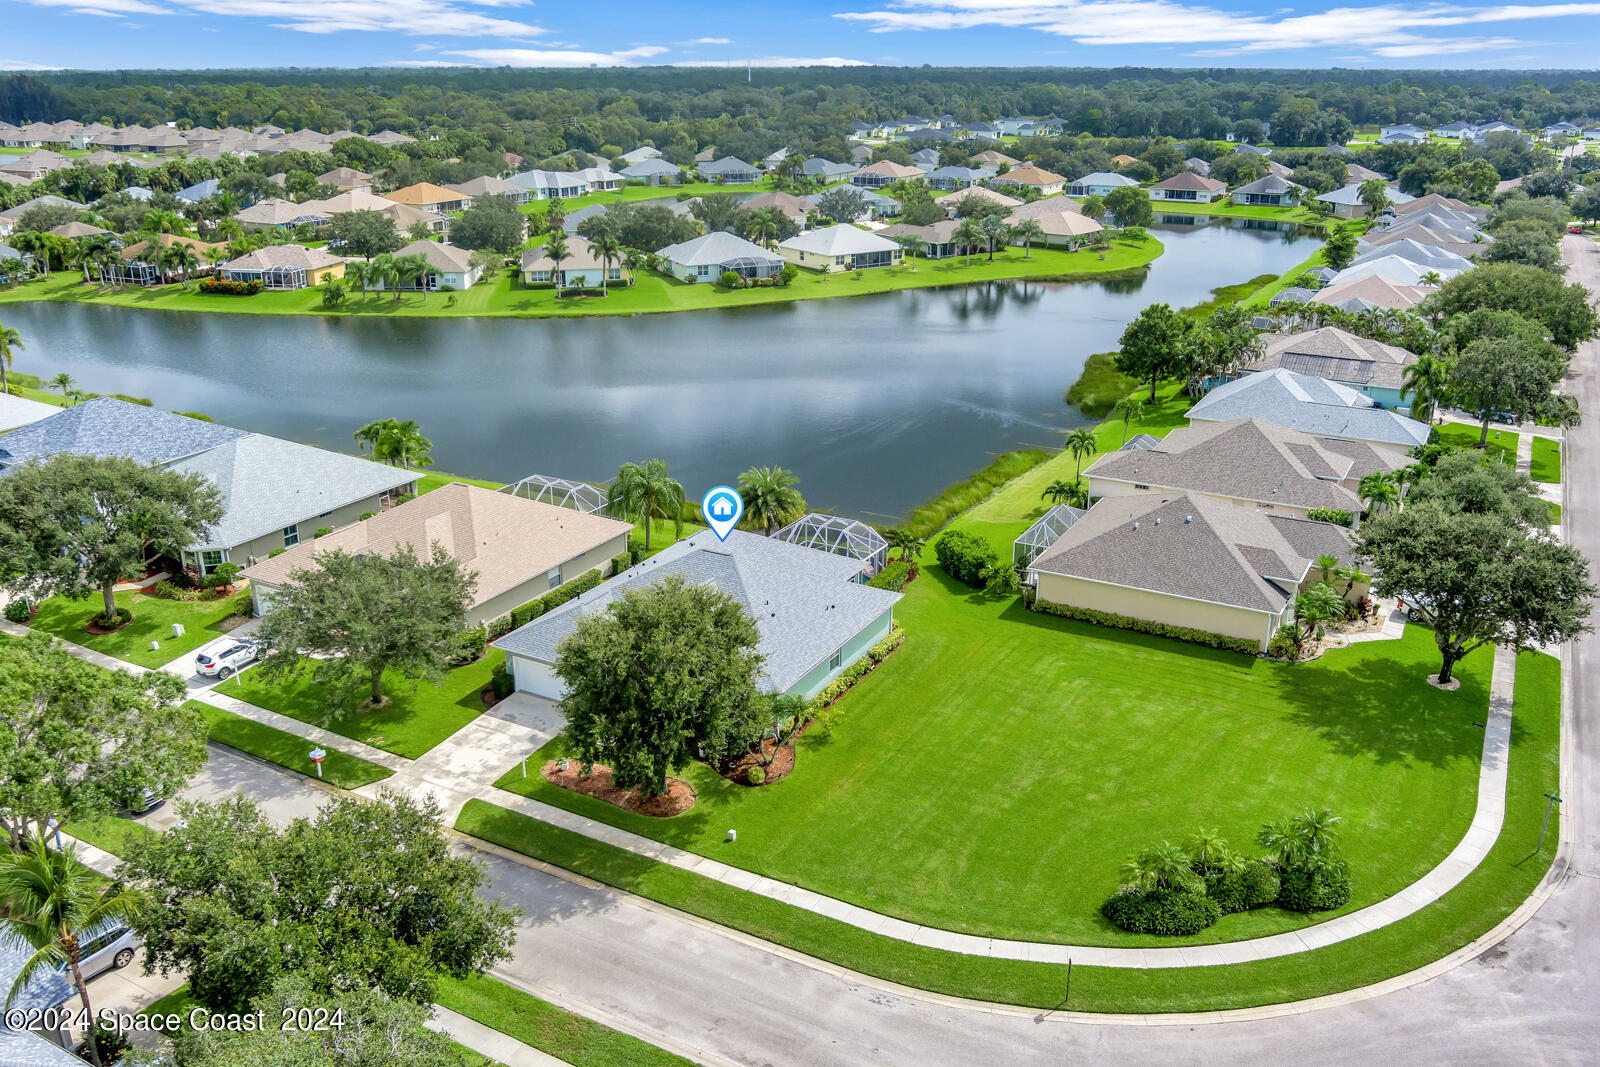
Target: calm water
[{"x": 876, "y": 402}]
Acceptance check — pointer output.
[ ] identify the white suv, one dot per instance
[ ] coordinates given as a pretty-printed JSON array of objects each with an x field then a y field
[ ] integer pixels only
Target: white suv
[{"x": 228, "y": 661}]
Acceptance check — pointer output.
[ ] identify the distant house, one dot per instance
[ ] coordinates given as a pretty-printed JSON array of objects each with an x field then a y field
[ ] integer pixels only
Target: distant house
[
  {"x": 1559, "y": 130},
  {"x": 1251, "y": 150},
  {"x": 878, "y": 205},
  {"x": 729, "y": 170},
  {"x": 1396, "y": 268},
  {"x": 198, "y": 191},
  {"x": 640, "y": 154},
  {"x": 1186, "y": 560},
  {"x": 840, "y": 248},
  {"x": 582, "y": 269},
  {"x": 951, "y": 202},
  {"x": 860, "y": 154},
  {"x": 707, "y": 257},
  {"x": 346, "y": 179},
  {"x": 774, "y": 158},
  {"x": 1444, "y": 240},
  {"x": 1355, "y": 174},
  {"x": 489, "y": 185},
  {"x": 1402, "y": 133},
  {"x": 1369, "y": 293},
  {"x": 1123, "y": 160},
  {"x": 1062, "y": 226},
  {"x": 1346, "y": 202},
  {"x": 517, "y": 549},
  {"x": 826, "y": 170},
  {"x": 958, "y": 177},
  {"x": 1457, "y": 129},
  {"x": 883, "y": 172},
  {"x": 35, "y": 164},
  {"x": 449, "y": 268},
  {"x": 706, "y": 154},
  {"x": 990, "y": 158},
  {"x": 275, "y": 213},
  {"x": 75, "y": 229},
  {"x": 1371, "y": 368},
  {"x": 1198, "y": 165},
  {"x": 1412, "y": 205},
  {"x": 430, "y": 197},
  {"x": 551, "y": 184},
  {"x": 388, "y": 138},
  {"x": 792, "y": 207},
  {"x": 1100, "y": 183},
  {"x": 926, "y": 158},
  {"x": 283, "y": 267},
  {"x": 1028, "y": 176},
  {"x": 10, "y": 216},
  {"x": 1425, "y": 256},
  {"x": 653, "y": 172},
  {"x": 1311, "y": 405},
  {"x": 1188, "y": 187},
  {"x": 938, "y": 238},
  {"x": 1271, "y": 191},
  {"x": 132, "y": 266}
]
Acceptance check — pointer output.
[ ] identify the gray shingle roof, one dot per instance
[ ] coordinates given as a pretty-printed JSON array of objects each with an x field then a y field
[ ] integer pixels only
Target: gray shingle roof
[
  {"x": 803, "y": 601},
  {"x": 650, "y": 168},
  {"x": 108, "y": 427},
  {"x": 1310, "y": 405},
  {"x": 1337, "y": 355},
  {"x": 715, "y": 249}
]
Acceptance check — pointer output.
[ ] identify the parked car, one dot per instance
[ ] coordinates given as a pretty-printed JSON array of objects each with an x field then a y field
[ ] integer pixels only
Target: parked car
[
  {"x": 227, "y": 661},
  {"x": 111, "y": 949},
  {"x": 148, "y": 801}
]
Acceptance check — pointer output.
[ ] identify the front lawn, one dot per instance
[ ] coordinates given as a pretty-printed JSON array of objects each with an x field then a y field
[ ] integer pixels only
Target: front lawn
[
  {"x": 288, "y": 750},
  {"x": 1501, "y": 446},
  {"x": 152, "y": 621},
  {"x": 111, "y": 834},
  {"x": 993, "y": 776},
  {"x": 417, "y": 717},
  {"x": 1546, "y": 460}
]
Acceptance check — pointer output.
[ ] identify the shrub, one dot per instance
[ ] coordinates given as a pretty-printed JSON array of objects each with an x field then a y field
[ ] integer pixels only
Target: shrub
[
  {"x": 17, "y": 610},
  {"x": 894, "y": 576},
  {"x": 123, "y": 615},
  {"x": 276, "y": 552},
  {"x": 225, "y": 287},
  {"x": 470, "y": 646},
  {"x": 1253, "y": 887},
  {"x": 852, "y": 674},
  {"x": 500, "y": 681},
  {"x": 1283, "y": 644},
  {"x": 498, "y": 628},
  {"x": 222, "y": 575},
  {"x": 788, "y": 274},
  {"x": 730, "y": 279},
  {"x": 1322, "y": 889},
  {"x": 1145, "y": 626},
  {"x": 555, "y": 598},
  {"x": 965, "y": 557},
  {"x": 365, "y": 515},
  {"x": 322, "y": 531},
  {"x": 1169, "y": 913},
  {"x": 621, "y": 562},
  {"x": 1337, "y": 516},
  {"x": 755, "y": 775}
]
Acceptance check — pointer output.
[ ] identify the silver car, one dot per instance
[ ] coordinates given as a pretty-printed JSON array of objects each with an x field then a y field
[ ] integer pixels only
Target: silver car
[{"x": 112, "y": 948}]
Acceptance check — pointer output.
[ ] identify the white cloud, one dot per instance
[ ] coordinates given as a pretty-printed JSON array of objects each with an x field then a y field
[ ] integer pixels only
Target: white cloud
[
  {"x": 776, "y": 61},
  {"x": 712, "y": 40},
  {"x": 23, "y": 64},
  {"x": 553, "y": 57},
  {"x": 1158, "y": 22},
  {"x": 455, "y": 18}
]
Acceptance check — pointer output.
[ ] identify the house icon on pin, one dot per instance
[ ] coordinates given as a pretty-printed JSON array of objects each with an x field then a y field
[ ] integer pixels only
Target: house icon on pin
[{"x": 722, "y": 507}]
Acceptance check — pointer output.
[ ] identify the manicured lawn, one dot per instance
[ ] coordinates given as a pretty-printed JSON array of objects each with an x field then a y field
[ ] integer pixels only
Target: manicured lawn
[
  {"x": 417, "y": 717},
  {"x": 992, "y": 777},
  {"x": 1485, "y": 897},
  {"x": 1265, "y": 293},
  {"x": 1546, "y": 460},
  {"x": 1502, "y": 444},
  {"x": 434, "y": 479},
  {"x": 112, "y": 833},
  {"x": 1302, "y": 215},
  {"x": 152, "y": 620},
  {"x": 287, "y": 750},
  {"x": 499, "y": 295},
  {"x": 568, "y": 1037}
]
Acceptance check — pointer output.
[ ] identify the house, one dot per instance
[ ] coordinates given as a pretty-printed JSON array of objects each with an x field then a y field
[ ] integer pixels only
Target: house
[
  {"x": 1063, "y": 228},
  {"x": 35, "y": 164},
  {"x": 275, "y": 213},
  {"x": 814, "y": 619},
  {"x": 1397, "y": 269},
  {"x": 1369, "y": 293},
  {"x": 1249, "y": 462},
  {"x": 602, "y": 179},
  {"x": 284, "y": 267},
  {"x": 826, "y": 171},
  {"x": 790, "y": 206},
  {"x": 1402, "y": 133},
  {"x": 839, "y": 248},
  {"x": 774, "y": 158},
  {"x": 1270, "y": 191},
  {"x": 1371, "y": 368},
  {"x": 517, "y": 549},
  {"x": 951, "y": 202},
  {"x": 1185, "y": 560},
  {"x": 574, "y": 219},
  {"x": 729, "y": 170},
  {"x": 1029, "y": 176},
  {"x": 388, "y": 138},
  {"x": 1444, "y": 240},
  {"x": 1122, "y": 160},
  {"x": 12, "y": 215},
  {"x": 46, "y": 990},
  {"x": 1099, "y": 183},
  {"x": 860, "y": 154},
  {"x": 431, "y": 197},
  {"x": 1441, "y": 220},
  {"x": 16, "y": 411},
  {"x": 1456, "y": 129},
  {"x": 404, "y": 216},
  {"x": 1355, "y": 174},
  {"x": 346, "y": 179},
  {"x": 74, "y": 230},
  {"x": 1562, "y": 129},
  {"x": 1310, "y": 405},
  {"x": 990, "y": 158},
  {"x": 450, "y": 269},
  {"x": 488, "y": 185},
  {"x": 273, "y": 491},
  {"x": 582, "y": 268},
  {"x": 1426, "y": 256},
  {"x": 958, "y": 177},
  {"x": 707, "y": 257},
  {"x": 938, "y": 238},
  {"x": 1434, "y": 200},
  {"x": 653, "y": 172},
  {"x": 641, "y": 154},
  {"x": 1251, "y": 150},
  {"x": 1188, "y": 187},
  {"x": 1345, "y": 202},
  {"x": 878, "y": 205},
  {"x": 883, "y": 172},
  {"x": 199, "y": 191},
  {"x": 133, "y": 265},
  {"x": 1198, "y": 165},
  {"x": 926, "y": 158},
  {"x": 551, "y": 184},
  {"x": 706, "y": 154}
]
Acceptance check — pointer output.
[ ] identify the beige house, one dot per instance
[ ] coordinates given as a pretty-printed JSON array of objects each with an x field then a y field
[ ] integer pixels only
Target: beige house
[
  {"x": 951, "y": 202},
  {"x": 1187, "y": 560},
  {"x": 518, "y": 549},
  {"x": 839, "y": 248},
  {"x": 346, "y": 179},
  {"x": 1029, "y": 176},
  {"x": 431, "y": 197},
  {"x": 884, "y": 172},
  {"x": 581, "y": 268},
  {"x": 284, "y": 267},
  {"x": 1189, "y": 188}
]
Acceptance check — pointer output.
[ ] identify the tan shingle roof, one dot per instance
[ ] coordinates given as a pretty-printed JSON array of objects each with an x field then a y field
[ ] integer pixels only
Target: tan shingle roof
[
  {"x": 980, "y": 193},
  {"x": 1338, "y": 356},
  {"x": 581, "y": 256},
  {"x": 423, "y": 193},
  {"x": 447, "y": 259},
  {"x": 1029, "y": 174},
  {"x": 504, "y": 539}
]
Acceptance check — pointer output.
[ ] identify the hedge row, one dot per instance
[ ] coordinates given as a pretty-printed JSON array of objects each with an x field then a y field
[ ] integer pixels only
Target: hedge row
[
  {"x": 854, "y": 673},
  {"x": 894, "y": 576},
  {"x": 225, "y": 287},
  {"x": 519, "y": 617},
  {"x": 966, "y": 557},
  {"x": 1145, "y": 626}
]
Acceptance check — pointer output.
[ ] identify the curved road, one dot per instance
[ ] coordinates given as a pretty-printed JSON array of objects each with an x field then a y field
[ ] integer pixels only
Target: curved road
[{"x": 723, "y": 998}]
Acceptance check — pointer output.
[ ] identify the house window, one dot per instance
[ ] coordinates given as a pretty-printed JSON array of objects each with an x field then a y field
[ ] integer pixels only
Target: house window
[
  {"x": 555, "y": 577},
  {"x": 1136, "y": 485},
  {"x": 211, "y": 559},
  {"x": 291, "y": 535},
  {"x": 836, "y": 660},
  {"x": 703, "y": 270}
]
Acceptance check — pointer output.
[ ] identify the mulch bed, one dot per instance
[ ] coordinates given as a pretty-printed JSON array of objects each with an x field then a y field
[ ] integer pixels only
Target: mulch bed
[
  {"x": 679, "y": 798},
  {"x": 782, "y": 763},
  {"x": 95, "y": 628}
]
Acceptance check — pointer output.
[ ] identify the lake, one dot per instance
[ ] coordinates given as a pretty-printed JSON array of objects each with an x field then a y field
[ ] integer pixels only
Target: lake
[{"x": 876, "y": 402}]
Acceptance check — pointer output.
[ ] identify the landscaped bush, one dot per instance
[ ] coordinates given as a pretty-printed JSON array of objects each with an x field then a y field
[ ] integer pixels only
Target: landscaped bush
[
  {"x": 755, "y": 775},
  {"x": 965, "y": 557},
  {"x": 622, "y": 562},
  {"x": 121, "y": 618},
  {"x": 225, "y": 287},
  {"x": 1337, "y": 516},
  {"x": 471, "y": 646},
  {"x": 894, "y": 576},
  {"x": 1283, "y": 645},
  {"x": 555, "y": 598},
  {"x": 731, "y": 280},
  {"x": 1321, "y": 889},
  {"x": 1253, "y": 887},
  {"x": 1145, "y": 626},
  {"x": 500, "y": 681},
  {"x": 17, "y": 610},
  {"x": 1171, "y": 913},
  {"x": 852, "y": 674}
]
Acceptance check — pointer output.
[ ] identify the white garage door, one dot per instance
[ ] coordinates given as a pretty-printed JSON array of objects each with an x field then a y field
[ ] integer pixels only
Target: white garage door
[{"x": 537, "y": 678}]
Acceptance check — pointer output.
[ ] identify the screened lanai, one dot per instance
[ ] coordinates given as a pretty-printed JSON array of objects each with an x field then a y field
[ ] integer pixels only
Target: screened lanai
[
  {"x": 841, "y": 536},
  {"x": 562, "y": 492},
  {"x": 1044, "y": 533}
]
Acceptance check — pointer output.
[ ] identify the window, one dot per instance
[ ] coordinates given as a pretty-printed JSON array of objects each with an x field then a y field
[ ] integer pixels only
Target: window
[
  {"x": 555, "y": 577},
  {"x": 703, "y": 270},
  {"x": 211, "y": 559},
  {"x": 836, "y": 660},
  {"x": 291, "y": 535}
]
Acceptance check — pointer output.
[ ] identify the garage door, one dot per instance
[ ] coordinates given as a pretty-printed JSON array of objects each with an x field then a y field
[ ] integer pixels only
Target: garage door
[{"x": 537, "y": 678}]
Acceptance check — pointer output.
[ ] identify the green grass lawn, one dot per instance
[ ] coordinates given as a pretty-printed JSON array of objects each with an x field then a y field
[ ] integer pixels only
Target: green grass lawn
[
  {"x": 570, "y": 1038},
  {"x": 1485, "y": 897},
  {"x": 288, "y": 750},
  {"x": 1303, "y": 215},
  {"x": 499, "y": 295},
  {"x": 417, "y": 717},
  {"x": 1265, "y": 293},
  {"x": 1502, "y": 444},
  {"x": 994, "y": 774},
  {"x": 111, "y": 833},
  {"x": 152, "y": 620},
  {"x": 434, "y": 480},
  {"x": 1546, "y": 460}
]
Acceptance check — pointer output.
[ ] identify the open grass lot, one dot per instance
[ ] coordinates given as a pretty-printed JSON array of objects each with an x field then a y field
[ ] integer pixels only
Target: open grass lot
[
  {"x": 1546, "y": 460},
  {"x": 1484, "y": 898},
  {"x": 152, "y": 621},
  {"x": 994, "y": 774},
  {"x": 417, "y": 717},
  {"x": 288, "y": 750},
  {"x": 1501, "y": 446},
  {"x": 500, "y": 296}
]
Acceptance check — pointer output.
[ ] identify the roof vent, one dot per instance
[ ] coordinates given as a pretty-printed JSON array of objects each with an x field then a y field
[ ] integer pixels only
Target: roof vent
[
  {"x": 1158, "y": 520},
  {"x": 1135, "y": 526},
  {"x": 1188, "y": 518}
]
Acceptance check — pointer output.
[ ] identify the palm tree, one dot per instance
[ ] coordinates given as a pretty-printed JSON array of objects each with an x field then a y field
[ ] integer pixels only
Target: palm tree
[
  {"x": 81, "y": 255},
  {"x": 1378, "y": 488},
  {"x": 1065, "y": 492},
  {"x": 397, "y": 442},
  {"x": 1425, "y": 381},
  {"x": 633, "y": 259},
  {"x": 388, "y": 270},
  {"x": 51, "y": 902},
  {"x": 1326, "y": 565},
  {"x": 968, "y": 234},
  {"x": 555, "y": 213},
  {"x": 913, "y": 245},
  {"x": 766, "y": 224},
  {"x": 1163, "y": 866},
  {"x": 375, "y": 271},
  {"x": 1433, "y": 278},
  {"x": 557, "y": 249},
  {"x": 10, "y": 342},
  {"x": 1081, "y": 443},
  {"x": 904, "y": 542},
  {"x": 1028, "y": 231},
  {"x": 413, "y": 266},
  {"x": 608, "y": 247},
  {"x": 770, "y": 496},
  {"x": 1409, "y": 476},
  {"x": 1209, "y": 848},
  {"x": 649, "y": 492},
  {"x": 1374, "y": 192},
  {"x": 1128, "y": 409},
  {"x": 63, "y": 382},
  {"x": 367, "y": 436},
  {"x": 182, "y": 258},
  {"x": 995, "y": 232}
]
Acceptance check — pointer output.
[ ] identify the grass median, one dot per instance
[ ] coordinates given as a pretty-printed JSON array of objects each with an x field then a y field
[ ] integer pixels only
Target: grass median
[{"x": 288, "y": 750}]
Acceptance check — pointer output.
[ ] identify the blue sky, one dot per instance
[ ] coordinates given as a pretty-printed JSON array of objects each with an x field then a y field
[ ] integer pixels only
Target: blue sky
[{"x": 100, "y": 34}]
